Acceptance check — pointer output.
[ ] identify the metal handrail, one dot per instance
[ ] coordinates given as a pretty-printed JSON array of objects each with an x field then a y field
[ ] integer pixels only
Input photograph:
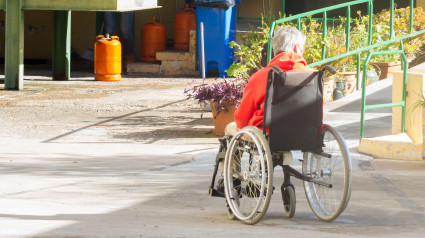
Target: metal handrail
[
  {"x": 401, "y": 104},
  {"x": 350, "y": 52},
  {"x": 347, "y": 5}
]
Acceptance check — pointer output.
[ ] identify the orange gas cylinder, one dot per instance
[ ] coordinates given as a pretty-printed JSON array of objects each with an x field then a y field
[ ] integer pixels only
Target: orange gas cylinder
[
  {"x": 153, "y": 40},
  {"x": 184, "y": 21},
  {"x": 107, "y": 58}
]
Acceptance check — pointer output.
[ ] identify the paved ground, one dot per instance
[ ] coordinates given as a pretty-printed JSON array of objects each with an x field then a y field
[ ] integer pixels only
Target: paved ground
[{"x": 134, "y": 159}]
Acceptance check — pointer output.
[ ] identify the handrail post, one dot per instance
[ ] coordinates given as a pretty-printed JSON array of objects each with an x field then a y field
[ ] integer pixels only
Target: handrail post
[
  {"x": 347, "y": 36},
  {"x": 299, "y": 23},
  {"x": 411, "y": 16},
  {"x": 402, "y": 49},
  {"x": 325, "y": 30},
  {"x": 403, "y": 112},
  {"x": 391, "y": 19},
  {"x": 362, "y": 119},
  {"x": 370, "y": 12},
  {"x": 402, "y": 104},
  {"x": 358, "y": 72}
]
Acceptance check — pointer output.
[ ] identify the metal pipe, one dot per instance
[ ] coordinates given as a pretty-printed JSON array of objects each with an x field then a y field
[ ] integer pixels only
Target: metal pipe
[{"x": 202, "y": 51}]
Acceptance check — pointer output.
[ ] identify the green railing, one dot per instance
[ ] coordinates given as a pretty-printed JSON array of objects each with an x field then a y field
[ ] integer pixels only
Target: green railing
[
  {"x": 349, "y": 52},
  {"x": 401, "y": 104}
]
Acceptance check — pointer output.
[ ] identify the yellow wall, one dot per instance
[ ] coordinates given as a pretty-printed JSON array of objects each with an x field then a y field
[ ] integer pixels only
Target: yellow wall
[{"x": 415, "y": 87}]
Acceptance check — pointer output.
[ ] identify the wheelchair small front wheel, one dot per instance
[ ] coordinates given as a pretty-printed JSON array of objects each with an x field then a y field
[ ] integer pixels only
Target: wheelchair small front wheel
[
  {"x": 329, "y": 190},
  {"x": 289, "y": 201},
  {"x": 248, "y": 174}
]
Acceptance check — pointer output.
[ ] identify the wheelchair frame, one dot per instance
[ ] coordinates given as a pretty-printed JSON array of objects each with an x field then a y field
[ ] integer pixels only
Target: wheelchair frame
[{"x": 249, "y": 186}]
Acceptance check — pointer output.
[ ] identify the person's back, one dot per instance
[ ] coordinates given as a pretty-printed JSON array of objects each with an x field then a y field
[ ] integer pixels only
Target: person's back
[{"x": 288, "y": 42}]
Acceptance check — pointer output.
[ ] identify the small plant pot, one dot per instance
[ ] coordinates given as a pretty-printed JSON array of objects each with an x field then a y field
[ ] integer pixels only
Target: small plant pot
[
  {"x": 386, "y": 68},
  {"x": 350, "y": 79},
  {"x": 339, "y": 91}
]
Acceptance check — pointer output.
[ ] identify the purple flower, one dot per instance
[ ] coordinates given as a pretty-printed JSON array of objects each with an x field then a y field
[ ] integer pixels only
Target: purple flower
[{"x": 223, "y": 93}]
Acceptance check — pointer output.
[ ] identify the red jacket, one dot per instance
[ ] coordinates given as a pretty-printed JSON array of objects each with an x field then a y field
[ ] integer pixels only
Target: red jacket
[{"x": 250, "y": 111}]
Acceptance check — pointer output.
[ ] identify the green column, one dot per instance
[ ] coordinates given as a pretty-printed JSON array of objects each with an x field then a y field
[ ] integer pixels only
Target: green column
[
  {"x": 14, "y": 45},
  {"x": 61, "y": 45}
]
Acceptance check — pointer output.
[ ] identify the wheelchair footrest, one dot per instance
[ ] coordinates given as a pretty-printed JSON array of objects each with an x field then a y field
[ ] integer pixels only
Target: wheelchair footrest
[{"x": 215, "y": 193}]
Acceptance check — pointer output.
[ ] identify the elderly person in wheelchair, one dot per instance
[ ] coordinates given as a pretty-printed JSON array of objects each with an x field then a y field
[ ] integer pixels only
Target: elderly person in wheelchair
[
  {"x": 288, "y": 46},
  {"x": 281, "y": 111}
]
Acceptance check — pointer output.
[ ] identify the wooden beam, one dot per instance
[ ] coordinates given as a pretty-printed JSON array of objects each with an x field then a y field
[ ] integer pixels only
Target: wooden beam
[{"x": 92, "y": 5}]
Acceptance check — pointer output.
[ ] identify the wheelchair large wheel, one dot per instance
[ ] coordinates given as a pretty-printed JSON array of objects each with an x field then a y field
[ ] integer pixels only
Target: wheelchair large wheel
[
  {"x": 329, "y": 191},
  {"x": 248, "y": 174}
]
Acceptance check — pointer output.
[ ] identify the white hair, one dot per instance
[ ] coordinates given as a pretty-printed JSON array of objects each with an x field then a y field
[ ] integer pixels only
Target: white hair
[{"x": 286, "y": 38}]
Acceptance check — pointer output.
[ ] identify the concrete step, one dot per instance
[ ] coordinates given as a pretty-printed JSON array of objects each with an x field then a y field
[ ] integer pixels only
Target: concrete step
[
  {"x": 399, "y": 146},
  {"x": 173, "y": 55},
  {"x": 177, "y": 67},
  {"x": 143, "y": 67}
]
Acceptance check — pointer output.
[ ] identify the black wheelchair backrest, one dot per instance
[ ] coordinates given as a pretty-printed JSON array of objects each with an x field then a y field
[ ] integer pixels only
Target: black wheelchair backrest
[{"x": 293, "y": 110}]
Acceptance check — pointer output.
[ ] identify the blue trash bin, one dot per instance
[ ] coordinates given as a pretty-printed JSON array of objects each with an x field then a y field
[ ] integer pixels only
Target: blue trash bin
[{"x": 219, "y": 30}]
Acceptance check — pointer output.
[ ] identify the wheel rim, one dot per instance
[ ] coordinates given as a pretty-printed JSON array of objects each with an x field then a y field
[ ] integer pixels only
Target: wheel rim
[
  {"x": 328, "y": 203},
  {"x": 246, "y": 163}
]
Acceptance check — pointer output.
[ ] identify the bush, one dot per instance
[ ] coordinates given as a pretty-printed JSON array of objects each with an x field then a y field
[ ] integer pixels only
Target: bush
[{"x": 249, "y": 51}]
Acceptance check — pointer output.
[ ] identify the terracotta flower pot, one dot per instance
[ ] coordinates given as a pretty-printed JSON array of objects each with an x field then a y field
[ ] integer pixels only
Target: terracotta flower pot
[
  {"x": 386, "y": 68},
  {"x": 222, "y": 119}
]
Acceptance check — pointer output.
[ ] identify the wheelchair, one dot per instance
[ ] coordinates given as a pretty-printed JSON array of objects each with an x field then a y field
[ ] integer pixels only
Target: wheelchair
[{"x": 293, "y": 120}]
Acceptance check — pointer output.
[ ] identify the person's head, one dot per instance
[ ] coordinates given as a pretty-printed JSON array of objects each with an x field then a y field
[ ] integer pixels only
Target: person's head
[{"x": 288, "y": 39}]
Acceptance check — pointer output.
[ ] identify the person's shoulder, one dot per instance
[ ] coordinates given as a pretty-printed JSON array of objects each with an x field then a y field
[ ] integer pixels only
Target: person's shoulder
[{"x": 259, "y": 75}]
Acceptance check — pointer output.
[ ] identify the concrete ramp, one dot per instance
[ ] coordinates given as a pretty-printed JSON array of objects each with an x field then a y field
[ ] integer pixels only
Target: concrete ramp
[{"x": 408, "y": 145}]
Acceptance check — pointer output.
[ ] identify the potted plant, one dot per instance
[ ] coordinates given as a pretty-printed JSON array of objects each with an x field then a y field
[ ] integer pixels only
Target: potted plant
[
  {"x": 387, "y": 64},
  {"x": 224, "y": 96}
]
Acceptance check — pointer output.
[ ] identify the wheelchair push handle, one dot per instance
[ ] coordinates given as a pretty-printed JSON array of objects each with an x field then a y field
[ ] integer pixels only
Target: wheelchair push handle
[
  {"x": 328, "y": 68},
  {"x": 274, "y": 70},
  {"x": 277, "y": 70}
]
